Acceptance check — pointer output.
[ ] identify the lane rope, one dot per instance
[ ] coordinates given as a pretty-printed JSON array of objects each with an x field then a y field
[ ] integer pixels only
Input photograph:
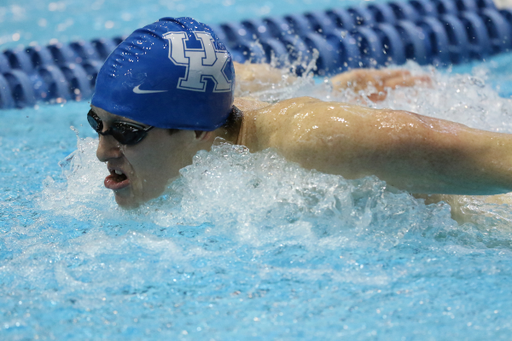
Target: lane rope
[{"x": 430, "y": 32}]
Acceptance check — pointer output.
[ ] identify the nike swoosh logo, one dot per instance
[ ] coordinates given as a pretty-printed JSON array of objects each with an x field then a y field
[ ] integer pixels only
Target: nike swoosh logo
[{"x": 137, "y": 90}]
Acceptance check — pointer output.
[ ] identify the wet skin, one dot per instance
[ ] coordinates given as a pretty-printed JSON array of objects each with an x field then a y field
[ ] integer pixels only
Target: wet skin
[
  {"x": 144, "y": 170},
  {"x": 409, "y": 151},
  {"x": 150, "y": 165}
]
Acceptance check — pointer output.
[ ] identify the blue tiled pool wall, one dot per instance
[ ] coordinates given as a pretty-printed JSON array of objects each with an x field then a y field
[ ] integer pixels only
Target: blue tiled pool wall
[{"x": 439, "y": 32}]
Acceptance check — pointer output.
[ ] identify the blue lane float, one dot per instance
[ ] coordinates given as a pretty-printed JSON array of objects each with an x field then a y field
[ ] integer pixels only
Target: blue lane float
[
  {"x": 479, "y": 44},
  {"x": 276, "y": 26},
  {"x": 445, "y": 7},
  {"x": 18, "y": 59},
  {"x": 439, "y": 45},
  {"x": 296, "y": 51},
  {"x": 321, "y": 22},
  {"x": 63, "y": 54},
  {"x": 404, "y": 11},
  {"x": 382, "y": 13},
  {"x": 6, "y": 98},
  {"x": 457, "y": 39},
  {"x": 326, "y": 61},
  {"x": 437, "y": 32},
  {"x": 415, "y": 43},
  {"x": 104, "y": 46},
  {"x": 21, "y": 88},
  {"x": 362, "y": 16},
  {"x": 58, "y": 86},
  {"x": 345, "y": 50},
  {"x": 499, "y": 30},
  {"x": 257, "y": 28},
  {"x": 370, "y": 47},
  {"x": 92, "y": 67},
  {"x": 85, "y": 50},
  {"x": 425, "y": 8},
  {"x": 299, "y": 24},
  {"x": 4, "y": 64},
  {"x": 79, "y": 85},
  {"x": 342, "y": 18},
  {"x": 274, "y": 49},
  {"x": 393, "y": 46},
  {"x": 40, "y": 55}
]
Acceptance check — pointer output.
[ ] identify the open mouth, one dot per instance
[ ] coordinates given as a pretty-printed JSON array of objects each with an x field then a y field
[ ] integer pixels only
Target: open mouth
[
  {"x": 117, "y": 176},
  {"x": 116, "y": 180}
]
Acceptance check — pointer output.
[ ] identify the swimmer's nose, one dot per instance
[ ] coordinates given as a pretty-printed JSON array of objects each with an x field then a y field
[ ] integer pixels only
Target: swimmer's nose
[{"x": 108, "y": 149}]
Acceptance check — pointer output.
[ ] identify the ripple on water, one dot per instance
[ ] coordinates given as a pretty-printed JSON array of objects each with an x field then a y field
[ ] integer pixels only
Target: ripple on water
[{"x": 248, "y": 244}]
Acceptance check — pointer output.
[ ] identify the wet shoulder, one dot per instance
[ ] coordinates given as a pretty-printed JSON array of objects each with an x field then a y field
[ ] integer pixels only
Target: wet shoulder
[
  {"x": 261, "y": 119},
  {"x": 297, "y": 116}
]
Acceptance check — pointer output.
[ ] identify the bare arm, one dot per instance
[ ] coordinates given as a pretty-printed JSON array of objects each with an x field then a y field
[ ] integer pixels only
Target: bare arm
[
  {"x": 409, "y": 151},
  {"x": 253, "y": 78},
  {"x": 375, "y": 83}
]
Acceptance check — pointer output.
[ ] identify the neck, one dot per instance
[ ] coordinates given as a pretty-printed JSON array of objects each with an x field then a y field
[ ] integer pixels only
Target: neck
[
  {"x": 231, "y": 131},
  {"x": 229, "y": 135}
]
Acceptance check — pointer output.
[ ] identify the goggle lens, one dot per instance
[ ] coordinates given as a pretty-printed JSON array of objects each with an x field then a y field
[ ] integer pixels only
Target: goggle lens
[{"x": 124, "y": 132}]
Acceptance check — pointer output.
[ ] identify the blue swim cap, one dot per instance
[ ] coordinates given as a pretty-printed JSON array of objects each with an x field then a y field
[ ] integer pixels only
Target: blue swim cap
[{"x": 174, "y": 73}]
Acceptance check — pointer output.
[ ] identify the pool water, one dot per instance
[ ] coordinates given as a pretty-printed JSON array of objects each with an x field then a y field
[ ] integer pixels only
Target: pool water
[
  {"x": 26, "y": 21},
  {"x": 246, "y": 246}
]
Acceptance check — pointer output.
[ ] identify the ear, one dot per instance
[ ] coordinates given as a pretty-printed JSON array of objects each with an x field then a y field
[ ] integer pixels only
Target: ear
[{"x": 202, "y": 135}]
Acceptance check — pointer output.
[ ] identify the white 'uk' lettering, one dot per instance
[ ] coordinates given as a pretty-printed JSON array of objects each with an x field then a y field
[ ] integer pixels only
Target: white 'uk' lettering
[{"x": 201, "y": 63}]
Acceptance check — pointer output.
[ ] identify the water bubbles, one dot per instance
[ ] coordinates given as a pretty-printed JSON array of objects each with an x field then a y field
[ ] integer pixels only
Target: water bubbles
[
  {"x": 252, "y": 240},
  {"x": 466, "y": 99},
  {"x": 57, "y": 6}
]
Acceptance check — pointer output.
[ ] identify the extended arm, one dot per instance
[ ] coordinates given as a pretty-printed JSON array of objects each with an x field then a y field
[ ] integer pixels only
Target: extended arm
[
  {"x": 375, "y": 83},
  {"x": 252, "y": 78},
  {"x": 409, "y": 151}
]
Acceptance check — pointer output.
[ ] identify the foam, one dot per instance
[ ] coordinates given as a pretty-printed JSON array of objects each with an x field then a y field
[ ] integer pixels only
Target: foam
[
  {"x": 463, "y": 98},
  {"x": 245, "y": 244},
  {"x": 239, "y": 190}
]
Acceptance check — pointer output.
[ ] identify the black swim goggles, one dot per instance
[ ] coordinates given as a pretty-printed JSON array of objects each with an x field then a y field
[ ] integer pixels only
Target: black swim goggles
[{"x": 126, "y": 133}]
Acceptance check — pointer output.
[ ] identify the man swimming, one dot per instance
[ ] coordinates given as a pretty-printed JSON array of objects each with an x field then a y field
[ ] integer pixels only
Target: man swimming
[{"x": 167, "y": 92}]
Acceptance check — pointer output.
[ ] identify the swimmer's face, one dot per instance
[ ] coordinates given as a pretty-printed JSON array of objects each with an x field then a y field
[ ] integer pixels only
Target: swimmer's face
[{"x": 142, "y": 171}]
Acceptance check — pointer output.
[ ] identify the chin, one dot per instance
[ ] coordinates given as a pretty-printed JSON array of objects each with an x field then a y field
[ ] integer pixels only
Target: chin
[
  {"x": 127, "y": 200},
  {"x": 127, "y": 203}
]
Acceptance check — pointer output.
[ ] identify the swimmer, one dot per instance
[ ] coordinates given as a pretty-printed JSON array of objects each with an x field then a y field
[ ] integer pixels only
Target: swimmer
[{"x": 168, "y": 91}]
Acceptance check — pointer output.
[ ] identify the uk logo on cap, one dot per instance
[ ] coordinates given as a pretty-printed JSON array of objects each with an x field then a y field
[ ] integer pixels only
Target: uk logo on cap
[
  {"x": 173, "y": 73},
  {"x": 201, "y": 63}
]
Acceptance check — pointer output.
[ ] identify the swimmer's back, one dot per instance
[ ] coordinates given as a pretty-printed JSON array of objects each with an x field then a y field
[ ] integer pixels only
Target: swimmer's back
[
  {"x": 301, "y": 127},
  {"x": 409, "y": 151}
]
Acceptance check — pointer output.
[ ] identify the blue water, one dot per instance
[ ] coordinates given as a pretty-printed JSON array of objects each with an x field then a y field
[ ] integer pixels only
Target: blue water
[
  {"x": 29, "y": 21},
  {"x": 244, "y": 246}
]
